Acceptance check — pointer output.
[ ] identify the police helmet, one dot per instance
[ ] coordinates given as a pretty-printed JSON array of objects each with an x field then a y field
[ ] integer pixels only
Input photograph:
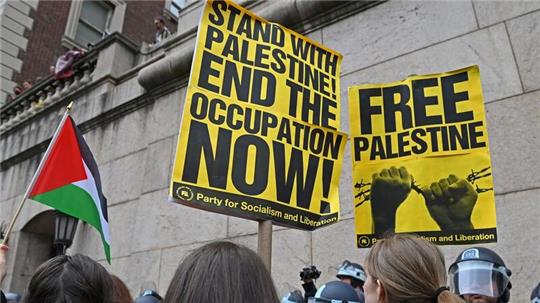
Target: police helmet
[
  {"x": 148, "y": 296},
  {"x": 12, "y": 297},
  {"x": 535, "y": 294},
  {"x": 480, "y": 271},
  {"x": 293, "y": 297},
  {"x": 335, "y": 292},
  {"x": 352, "y": 270}
]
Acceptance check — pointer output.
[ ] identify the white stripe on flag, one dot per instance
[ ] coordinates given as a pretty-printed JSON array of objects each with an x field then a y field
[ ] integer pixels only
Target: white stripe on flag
[{"x": 89, "y": 185}]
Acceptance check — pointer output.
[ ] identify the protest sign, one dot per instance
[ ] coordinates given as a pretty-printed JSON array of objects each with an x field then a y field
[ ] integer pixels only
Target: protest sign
[
  {"x": 421, "y": 159},
  {"x": 259, "y": 135}
]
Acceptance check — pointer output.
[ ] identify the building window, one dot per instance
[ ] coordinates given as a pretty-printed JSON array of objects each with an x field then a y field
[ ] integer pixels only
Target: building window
[
  {"x": 90, "y": 21},
  {"x": 94, "y": 22}
]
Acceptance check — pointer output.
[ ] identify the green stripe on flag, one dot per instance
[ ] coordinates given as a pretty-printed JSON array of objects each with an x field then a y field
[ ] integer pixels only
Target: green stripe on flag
[{"x": 76, "y": 202}]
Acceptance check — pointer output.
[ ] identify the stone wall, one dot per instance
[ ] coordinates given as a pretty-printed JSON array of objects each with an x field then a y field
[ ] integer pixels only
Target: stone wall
[
  {"x": 396, "y": 39},
  {"x": 133, "y": 132}
]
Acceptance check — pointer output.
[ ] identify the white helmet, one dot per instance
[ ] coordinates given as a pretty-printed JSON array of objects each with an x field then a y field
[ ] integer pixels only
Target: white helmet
[{"x": 351, "y": 270}]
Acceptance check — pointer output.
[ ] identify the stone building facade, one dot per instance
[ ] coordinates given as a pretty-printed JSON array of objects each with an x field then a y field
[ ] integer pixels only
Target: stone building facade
[{"x": 129, "y": 100}]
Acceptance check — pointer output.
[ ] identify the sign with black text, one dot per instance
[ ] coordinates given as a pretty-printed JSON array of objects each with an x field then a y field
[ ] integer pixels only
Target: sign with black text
[
  {"x": 421, "y": 159},
  {"x": 259, "y": 135}
]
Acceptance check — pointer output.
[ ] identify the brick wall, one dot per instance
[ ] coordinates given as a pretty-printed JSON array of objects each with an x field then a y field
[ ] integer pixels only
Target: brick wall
[
  {"x": 50, "y": 18},
  {"x": 43, "y": 40},
  {"x": 139, "y": 20}
]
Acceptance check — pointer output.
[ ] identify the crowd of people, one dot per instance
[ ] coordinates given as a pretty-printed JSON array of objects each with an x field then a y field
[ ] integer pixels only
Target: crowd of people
[{"x": 399, "y": 268}]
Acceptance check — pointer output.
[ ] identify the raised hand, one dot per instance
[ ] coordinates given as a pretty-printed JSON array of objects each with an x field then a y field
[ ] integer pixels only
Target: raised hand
[
  {"x": 450, "y": 203},
  {"x": 389, "y": 189}
]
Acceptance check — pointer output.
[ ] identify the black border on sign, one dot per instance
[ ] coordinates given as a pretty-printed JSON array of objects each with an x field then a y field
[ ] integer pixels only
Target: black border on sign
[
  {"x": 367, "y": 240},
  {"x": 237, "y": 212}
]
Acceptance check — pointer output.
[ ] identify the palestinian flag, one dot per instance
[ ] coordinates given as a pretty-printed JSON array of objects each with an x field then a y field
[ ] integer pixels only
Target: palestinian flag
[{"x": 69, "y": 181}]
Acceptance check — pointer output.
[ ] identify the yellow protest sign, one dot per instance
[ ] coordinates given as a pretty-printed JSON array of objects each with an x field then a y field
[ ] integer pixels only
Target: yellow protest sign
[
  {"x": 421, "y": 159},
  {"x": 259, "y": 135}
]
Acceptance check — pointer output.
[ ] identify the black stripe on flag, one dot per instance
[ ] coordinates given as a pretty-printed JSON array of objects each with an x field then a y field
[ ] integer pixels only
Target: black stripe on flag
[{"x": 88, "y": 158}]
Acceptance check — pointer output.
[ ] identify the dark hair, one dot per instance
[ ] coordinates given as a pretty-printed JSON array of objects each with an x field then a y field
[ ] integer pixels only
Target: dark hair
[
  {"x": 160, "y": 19},
  {"x": 221, "y": 272},
  {"x": 66, "y": 279},
  {"x": 121, "y": 293}
]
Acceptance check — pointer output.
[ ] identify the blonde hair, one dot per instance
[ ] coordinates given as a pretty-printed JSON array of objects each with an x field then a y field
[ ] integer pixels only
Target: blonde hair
[{"x": 410, "y": 269}]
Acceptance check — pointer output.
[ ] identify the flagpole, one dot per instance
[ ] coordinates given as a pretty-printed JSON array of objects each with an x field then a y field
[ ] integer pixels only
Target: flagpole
[{"x": 36, "y": 174}]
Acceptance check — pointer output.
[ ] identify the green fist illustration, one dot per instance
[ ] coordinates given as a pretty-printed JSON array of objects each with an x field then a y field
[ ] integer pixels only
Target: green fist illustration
[
  {"x": 389, "y": 189},
  {"x": 450, "y": 203}
]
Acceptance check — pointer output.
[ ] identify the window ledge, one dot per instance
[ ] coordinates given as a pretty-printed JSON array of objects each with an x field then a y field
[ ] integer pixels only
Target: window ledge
[{"x": 69, "y": 43}]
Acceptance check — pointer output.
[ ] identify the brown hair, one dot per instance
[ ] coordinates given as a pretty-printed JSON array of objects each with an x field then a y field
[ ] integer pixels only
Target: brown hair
[
  {"x": 64, "y": 279},
  {"x": 410, "y": 269},
  {"x": 221, "y": 272},
  {"x": 121, "y": 293}
]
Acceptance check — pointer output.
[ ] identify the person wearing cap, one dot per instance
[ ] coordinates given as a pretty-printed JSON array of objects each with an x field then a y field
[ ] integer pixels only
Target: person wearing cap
[
  {"x": 354, "y": 275},
  {"x": 479, "y": 275}
]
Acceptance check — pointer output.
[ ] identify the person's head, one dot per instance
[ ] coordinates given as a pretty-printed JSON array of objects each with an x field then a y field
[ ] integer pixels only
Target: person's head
[
  {"x": 121, "y": 293},
  {"x": 221, "y": 272},
  {"x": 479, "y": 275},
  {"x": 335, "y": 292},
  {"x": 535, "y": 294},
  {"x": 406, "y": 268},
  {"x": 65, "y": 279},
  {"x": 26, "y": 85},
  {"x": 352, "y": 273},
  {"x": 159, "y": 22}
]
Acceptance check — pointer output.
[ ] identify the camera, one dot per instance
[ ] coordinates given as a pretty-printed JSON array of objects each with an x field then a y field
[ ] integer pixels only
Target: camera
[{"x": 310, "y": 272}]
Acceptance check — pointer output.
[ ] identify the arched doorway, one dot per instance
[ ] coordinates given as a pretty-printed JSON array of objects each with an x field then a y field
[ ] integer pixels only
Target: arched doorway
[{"x": 34, "y": 246}]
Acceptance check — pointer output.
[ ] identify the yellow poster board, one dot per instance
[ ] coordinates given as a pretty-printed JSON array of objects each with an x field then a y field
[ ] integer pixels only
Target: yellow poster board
[
  {"x": 421, "y": 159},
  {"x": 259, "y": 135}
]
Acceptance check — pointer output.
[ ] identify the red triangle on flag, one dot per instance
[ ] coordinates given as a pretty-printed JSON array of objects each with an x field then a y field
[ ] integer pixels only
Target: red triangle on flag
[{"x": 64, "y": 164}]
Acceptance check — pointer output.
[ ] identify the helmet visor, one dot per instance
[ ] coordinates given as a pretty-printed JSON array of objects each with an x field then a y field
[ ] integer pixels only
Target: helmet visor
[{"x": 478, "y": 277}]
